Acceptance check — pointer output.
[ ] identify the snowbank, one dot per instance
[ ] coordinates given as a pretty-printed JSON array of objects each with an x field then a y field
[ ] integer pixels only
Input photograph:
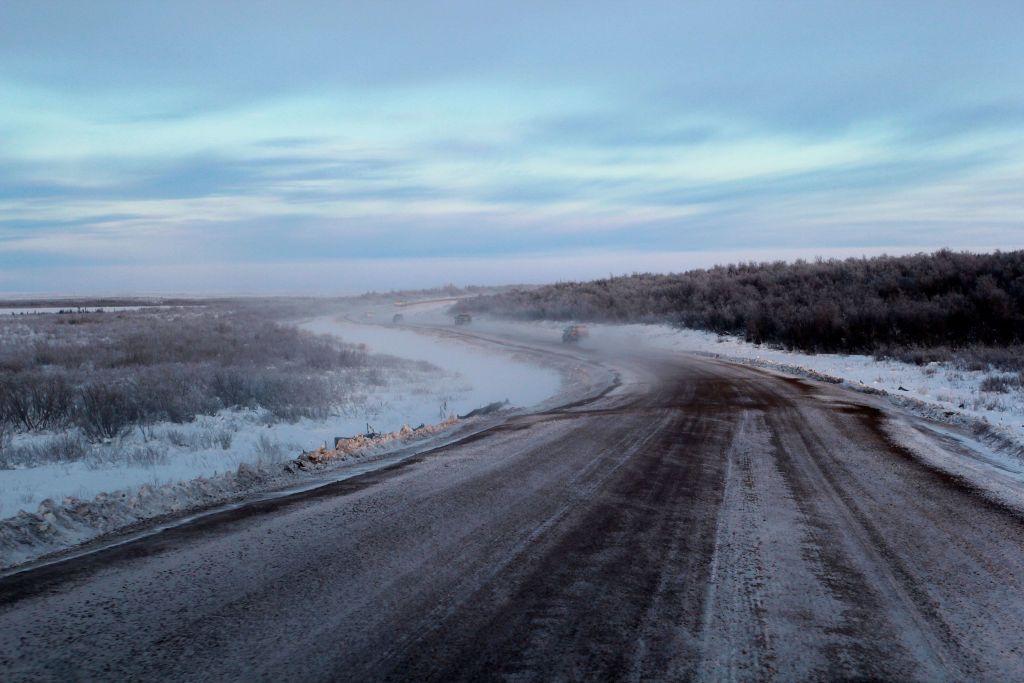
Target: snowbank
[{"x": 57, "y": 525}]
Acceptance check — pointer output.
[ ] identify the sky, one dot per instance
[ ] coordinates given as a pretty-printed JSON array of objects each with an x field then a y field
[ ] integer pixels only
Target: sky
[{"x": 327, "y": 147}]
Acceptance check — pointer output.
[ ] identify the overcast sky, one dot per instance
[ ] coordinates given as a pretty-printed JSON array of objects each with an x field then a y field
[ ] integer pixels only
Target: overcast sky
[{"x": 327, "y": 147}]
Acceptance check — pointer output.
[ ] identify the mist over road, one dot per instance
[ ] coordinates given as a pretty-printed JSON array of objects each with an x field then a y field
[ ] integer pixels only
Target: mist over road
[{"x": 705, "y": 521}]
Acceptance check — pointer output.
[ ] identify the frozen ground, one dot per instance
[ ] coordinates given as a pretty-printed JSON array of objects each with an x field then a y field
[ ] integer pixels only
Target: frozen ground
[
  {"x": 470, "y": 378},
  {"x": 169, "y": 453},
  {"x": 464, "y": 377}
]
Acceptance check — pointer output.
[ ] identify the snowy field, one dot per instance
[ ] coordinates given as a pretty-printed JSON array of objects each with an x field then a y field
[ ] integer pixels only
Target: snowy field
[
  {"x": 39, "y": 310},
  {"x": 466, "y": 377}
]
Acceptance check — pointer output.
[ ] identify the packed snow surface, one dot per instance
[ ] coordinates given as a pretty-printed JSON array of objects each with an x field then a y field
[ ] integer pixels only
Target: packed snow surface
[{"x": 941, "y": 385}]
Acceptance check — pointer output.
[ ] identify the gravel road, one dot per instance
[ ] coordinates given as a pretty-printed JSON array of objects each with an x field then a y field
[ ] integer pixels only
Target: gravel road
[{"x": 705, "y": 521}]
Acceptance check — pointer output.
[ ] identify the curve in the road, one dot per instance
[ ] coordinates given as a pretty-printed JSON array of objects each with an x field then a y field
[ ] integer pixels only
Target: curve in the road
[{"x": 716, "y": 523}]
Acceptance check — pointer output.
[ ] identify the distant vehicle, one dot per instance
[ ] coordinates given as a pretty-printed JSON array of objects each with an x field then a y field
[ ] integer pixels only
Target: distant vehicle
[
  {"x": 463, "y": 319},
  {"x": 573, "y": 334},
  {"x": 397, "y": 318}
]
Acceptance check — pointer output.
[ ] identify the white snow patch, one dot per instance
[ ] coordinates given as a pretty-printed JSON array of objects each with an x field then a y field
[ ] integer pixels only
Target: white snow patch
[{"x": 483, "y": 375}]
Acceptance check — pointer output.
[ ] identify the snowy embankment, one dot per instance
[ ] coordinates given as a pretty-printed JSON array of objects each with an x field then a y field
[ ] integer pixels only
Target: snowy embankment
[{"x": 169, "y": 468}]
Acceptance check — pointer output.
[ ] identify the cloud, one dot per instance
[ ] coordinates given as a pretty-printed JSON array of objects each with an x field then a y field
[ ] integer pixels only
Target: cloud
[
  {"x": 165, "y": 134},
  {"x": 620, "y": 130},
  {"x": 888, "y": 175}
]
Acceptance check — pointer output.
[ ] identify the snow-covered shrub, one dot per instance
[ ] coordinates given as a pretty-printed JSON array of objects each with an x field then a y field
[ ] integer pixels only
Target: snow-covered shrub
[
  {"x": 202, "y": 438},
  {"x": 107, "y": 410},
  {"x": 107, "y": 373},
  {"x": 920, "y": 305},
  {"x": 224, "y": 438},
  {"x": 67, "y": 447},
  {"x": 268, "y": 450},
  {"x": 1000, "y": 384},
  {"x": 39, "y": 400}
]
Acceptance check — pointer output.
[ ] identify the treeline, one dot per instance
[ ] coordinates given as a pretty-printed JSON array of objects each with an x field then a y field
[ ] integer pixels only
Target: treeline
[
  {"x": 445, "y": 291},
  {"x": 944, "y": 300},
  {"x": 105, "y": 373}
]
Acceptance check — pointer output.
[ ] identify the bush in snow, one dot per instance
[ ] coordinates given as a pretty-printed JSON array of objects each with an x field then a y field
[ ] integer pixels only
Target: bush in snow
[
  {"x": 107, "y": 373},
  {"x": 939, "y": 301},
  {"x": 1000, "y": 384},
  {"x": 107, "y": 410}
]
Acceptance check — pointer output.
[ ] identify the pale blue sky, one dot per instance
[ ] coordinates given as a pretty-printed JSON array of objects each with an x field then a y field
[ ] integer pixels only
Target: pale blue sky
[{"x": 330, "y": 147}]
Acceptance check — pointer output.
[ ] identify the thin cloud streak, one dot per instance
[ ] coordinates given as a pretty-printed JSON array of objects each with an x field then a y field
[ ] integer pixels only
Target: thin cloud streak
[{"x": 472, "y": 132}]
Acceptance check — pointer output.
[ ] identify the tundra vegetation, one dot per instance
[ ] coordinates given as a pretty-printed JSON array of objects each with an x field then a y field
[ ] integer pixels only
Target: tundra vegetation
[
  {"x": 963, "y": 308},
  {"x": 93, "y": 377}
]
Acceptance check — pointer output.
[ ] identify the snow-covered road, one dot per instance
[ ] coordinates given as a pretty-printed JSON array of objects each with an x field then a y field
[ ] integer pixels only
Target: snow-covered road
[{"x": 702, "y": 521}]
